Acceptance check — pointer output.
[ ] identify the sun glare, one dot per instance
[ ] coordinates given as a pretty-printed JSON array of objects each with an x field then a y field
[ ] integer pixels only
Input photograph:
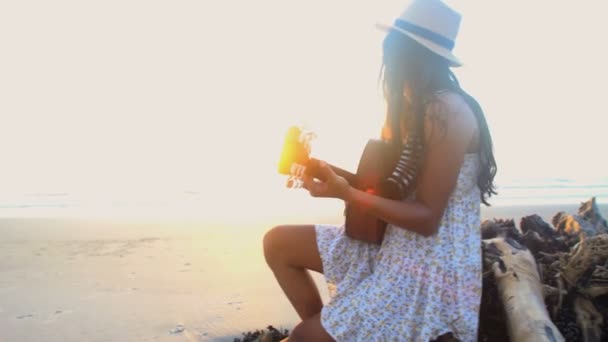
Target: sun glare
[{"x": 172, "y": 97}]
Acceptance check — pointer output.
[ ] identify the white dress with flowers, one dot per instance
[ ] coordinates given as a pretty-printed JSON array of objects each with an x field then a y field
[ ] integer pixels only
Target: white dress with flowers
[{"x": 411, "y": 288}]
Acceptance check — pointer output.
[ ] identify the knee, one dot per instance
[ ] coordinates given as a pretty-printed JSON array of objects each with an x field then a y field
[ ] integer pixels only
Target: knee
[{"x": 272, "y": 244}]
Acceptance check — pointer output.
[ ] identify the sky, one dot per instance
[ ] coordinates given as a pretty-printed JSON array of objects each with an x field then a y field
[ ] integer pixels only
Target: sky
[{"x": 117, "y": 97}]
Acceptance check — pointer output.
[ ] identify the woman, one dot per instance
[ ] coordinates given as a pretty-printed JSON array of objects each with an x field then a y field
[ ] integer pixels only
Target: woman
[{"x": 424, "y": 281}]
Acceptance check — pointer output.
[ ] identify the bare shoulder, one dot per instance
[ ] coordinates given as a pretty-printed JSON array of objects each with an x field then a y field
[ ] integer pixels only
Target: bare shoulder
[{"x": 448, "y": 116}]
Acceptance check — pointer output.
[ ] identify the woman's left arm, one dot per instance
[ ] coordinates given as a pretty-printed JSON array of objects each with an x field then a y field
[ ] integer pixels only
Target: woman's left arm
[{"x": 449, "y": 129}]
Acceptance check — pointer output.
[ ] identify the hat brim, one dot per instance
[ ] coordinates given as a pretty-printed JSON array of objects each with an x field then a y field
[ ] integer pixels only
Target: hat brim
[{"x": 437, "y": 49}]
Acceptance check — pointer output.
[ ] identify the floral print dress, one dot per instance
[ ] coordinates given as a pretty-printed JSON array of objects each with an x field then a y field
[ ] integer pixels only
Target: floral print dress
[{"x": 410, "y": 288}]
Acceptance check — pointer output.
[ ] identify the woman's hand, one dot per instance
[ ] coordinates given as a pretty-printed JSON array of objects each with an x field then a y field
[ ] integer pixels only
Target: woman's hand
[{"x": 334, "y": 185}]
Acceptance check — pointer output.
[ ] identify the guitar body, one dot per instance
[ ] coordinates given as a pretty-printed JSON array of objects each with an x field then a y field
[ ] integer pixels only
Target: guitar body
[{"x": 377, "y": 162}]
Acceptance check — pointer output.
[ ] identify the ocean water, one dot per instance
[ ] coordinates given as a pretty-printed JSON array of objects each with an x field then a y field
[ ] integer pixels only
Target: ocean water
[
  {"x": 551, "y": 191},
  {"x": 196, "y": 203}
]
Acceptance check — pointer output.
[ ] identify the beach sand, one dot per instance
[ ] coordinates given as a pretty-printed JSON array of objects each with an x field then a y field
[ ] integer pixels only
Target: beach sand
[{"x": 129, "y": 280}]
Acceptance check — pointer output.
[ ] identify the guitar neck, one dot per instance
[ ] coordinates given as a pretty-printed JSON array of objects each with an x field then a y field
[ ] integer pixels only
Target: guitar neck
[{"x": 312, "y": 168}]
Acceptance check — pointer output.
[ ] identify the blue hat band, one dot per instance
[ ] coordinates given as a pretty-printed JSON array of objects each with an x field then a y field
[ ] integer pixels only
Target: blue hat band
[{"x": 425, "y": 33}]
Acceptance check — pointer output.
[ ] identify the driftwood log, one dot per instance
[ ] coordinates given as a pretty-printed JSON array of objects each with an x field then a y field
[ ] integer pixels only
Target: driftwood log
[
  {"x": 521, "y": 292},
  {"x": 546, "y": 282}
]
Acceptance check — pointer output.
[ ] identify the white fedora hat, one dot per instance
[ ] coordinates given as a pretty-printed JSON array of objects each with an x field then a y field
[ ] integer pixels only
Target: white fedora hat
[{"x": 432, "y": 24}]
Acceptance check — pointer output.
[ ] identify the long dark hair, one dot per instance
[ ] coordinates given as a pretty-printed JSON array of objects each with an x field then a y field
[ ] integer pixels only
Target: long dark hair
[{"x": 406, "y": 61}]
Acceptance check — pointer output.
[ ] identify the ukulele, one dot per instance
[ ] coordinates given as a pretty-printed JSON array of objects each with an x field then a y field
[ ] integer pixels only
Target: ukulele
[{"x": 376, "y": 164}]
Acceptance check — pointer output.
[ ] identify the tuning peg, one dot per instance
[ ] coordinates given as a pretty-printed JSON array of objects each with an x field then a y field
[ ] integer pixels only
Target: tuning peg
[
  {"x": 300, "y": 171},
  {"x": 291, "y": 182},
  {"x": 294, "y": 183}
]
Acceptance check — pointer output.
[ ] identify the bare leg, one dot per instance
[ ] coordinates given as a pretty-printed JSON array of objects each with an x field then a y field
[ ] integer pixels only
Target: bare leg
[{"x": 291, "y": 251}]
